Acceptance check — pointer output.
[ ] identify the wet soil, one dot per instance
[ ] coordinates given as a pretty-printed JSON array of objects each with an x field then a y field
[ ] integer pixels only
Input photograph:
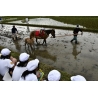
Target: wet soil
[
  {"x": 73, "y": 58},
  {"x": 61, "y": 53}
]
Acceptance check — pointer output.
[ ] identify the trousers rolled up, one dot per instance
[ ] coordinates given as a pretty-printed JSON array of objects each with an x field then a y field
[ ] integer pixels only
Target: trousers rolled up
[
  {"x": 75, "y": 38},
  {"x": 14, "y": 36}
]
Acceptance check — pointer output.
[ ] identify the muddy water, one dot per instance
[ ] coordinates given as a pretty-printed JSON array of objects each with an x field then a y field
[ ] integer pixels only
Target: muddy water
[{"x": 59, "y": 52}]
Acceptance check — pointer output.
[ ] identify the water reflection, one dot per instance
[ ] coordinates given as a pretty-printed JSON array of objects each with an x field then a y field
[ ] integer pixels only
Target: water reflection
[
  {"x": 31, "y": 51},
  {"x": 17, "y": 45},
  {"x": 42, "y": 53},
  {"x": 75, "y": 52}
]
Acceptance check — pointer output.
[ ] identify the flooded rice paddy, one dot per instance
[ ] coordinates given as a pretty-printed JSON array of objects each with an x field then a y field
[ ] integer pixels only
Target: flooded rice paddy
[{"x": 60, "y": 52}]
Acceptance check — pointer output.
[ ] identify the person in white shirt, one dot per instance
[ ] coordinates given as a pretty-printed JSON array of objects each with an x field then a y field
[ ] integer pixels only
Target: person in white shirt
[
  {"x": 20, "y": 67},
  {"x": 77, "y": 78},
  {"x": 7, "y": 62},
  {"x": 29, "y": 77},
  {"x": 30, "y": 73}
]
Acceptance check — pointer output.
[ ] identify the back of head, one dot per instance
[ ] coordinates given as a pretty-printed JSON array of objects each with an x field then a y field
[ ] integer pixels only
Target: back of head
[
  {"x": 77, "y": 78},
  {"x": 32, "y": 65},
  {"x": 77, "y": 26},
  {"x": 13, "y": 26},
  {"x": 31, "y": 68},
  {"x": 24, "y": 57},
  {"x": 5, "y": 52},
  {"x": 31, "y": 77},
  {"x": 54, "y": 75}
]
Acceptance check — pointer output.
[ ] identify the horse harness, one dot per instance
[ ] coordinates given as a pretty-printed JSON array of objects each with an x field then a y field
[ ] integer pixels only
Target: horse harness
[{"x": 40, "y": 33}]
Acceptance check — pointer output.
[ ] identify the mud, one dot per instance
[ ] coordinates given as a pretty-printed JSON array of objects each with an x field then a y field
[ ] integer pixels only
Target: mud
[{"x": 60, "y": 52}]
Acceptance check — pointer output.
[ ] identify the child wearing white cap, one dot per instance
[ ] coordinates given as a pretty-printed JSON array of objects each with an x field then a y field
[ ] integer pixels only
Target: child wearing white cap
[
  {"x": 54, "y": 75},
  {"x": 7, "y": 62},
  {"x": 30, "y": 73},
  {"x": 77, "y": 78},
  {"x": 21, "y": 66}
]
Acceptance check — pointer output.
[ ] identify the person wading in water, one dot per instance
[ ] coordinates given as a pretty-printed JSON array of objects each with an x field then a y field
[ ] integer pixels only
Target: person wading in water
[
  {"x": 75, "y": 33},
  {"x": 14, "y": 30}
]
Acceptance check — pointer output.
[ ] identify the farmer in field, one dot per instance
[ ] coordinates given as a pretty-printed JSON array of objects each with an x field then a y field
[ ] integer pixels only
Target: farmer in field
[
  {"x": 14, "y": 32},
  {"x": 75, "y": 33}
]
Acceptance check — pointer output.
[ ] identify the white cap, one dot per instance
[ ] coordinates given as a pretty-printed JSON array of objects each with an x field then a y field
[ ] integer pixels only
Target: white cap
[
  {"x": 5, "y": 52},
  {"x": 24, "y": 57},
  {"x": 54, "y": 75},
  {"x": 77, "y": 78},
  {"x": 32, "y": 65}
]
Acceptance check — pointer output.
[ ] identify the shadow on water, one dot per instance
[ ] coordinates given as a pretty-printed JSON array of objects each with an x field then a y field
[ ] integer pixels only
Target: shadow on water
[
  {"x": 30, "y": 51},
  {"x": 75, "y": 52}
]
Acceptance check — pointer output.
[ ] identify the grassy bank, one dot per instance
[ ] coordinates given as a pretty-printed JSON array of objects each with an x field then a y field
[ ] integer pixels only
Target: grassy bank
[
  {"x": 86, "y": 21},
  {"x": 46, "y": 68},
  {"x": 55, "y": 27},
  {"x": 90, "y": 22}
]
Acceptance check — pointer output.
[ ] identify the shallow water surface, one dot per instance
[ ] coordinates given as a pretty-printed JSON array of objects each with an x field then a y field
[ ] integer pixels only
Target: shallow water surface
[{"x": 61, "y": 53}]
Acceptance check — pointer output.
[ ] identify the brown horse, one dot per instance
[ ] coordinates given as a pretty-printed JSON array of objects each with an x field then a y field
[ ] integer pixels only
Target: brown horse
[
  {"x": 29, "y": 42},
  {"x": 42, "y": 34}
]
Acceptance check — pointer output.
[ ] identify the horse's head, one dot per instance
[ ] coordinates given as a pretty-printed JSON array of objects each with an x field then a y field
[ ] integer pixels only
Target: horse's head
[{"x": 53, "y": 33}]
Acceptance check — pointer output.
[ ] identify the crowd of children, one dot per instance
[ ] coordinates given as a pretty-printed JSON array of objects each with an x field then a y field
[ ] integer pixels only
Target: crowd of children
[{"x": 24, "y": 70}]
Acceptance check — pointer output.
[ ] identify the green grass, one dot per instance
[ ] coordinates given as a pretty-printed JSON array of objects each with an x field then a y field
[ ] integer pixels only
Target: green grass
[
  {"x": 45, "y": 68},
  {"x": 86, "y": 21},
  {"x": 90, "y": 22}
]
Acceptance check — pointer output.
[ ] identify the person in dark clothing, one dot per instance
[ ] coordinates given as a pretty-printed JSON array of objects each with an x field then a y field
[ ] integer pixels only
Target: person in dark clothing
[
  {"x": 75, "y": 33},
  {"x": 14, "y": 30}
]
